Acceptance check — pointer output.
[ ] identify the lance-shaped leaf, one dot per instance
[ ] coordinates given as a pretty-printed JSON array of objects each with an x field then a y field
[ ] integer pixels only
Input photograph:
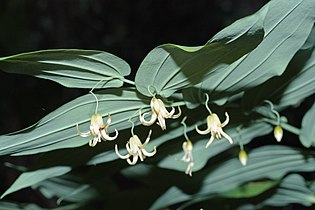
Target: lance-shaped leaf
[
  {"x": 169, "y": 67},
  {"x": 70, "y": 68},
  {"x": 66, "y": 189},
  {"x": 58, "y": 129},
  {"x": 287, "y": 26},
  {"x": 28, "y": 179},
  {"x": 293, "y": 189},
  {"x": 271, "y": 162},
  {"x": 307, "y": 134},
  {"x": 250, "y": 189},
  {"x": 295, "y": 84},
  {"x": 22, "y": 206}
]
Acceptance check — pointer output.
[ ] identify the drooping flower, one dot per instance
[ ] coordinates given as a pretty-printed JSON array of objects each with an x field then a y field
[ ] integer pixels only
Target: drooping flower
[
  {"x": 160, "y": 113},
  {"x": 136, "y": 149},
  {"x": 215, "y": 128},
  {"x": 98, "y": 129},
  {"x": 188, "y": 156},
  {"x": 278, "y": 133},
  {"x": 242, "y": 156}
]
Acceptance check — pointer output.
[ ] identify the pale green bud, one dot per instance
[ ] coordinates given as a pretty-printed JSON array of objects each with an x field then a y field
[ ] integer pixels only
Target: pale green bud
[{"x": 278, "y": 133}]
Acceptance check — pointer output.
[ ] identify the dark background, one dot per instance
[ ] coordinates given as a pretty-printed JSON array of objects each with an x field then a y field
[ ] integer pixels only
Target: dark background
[{"x": 128, "y": 29}]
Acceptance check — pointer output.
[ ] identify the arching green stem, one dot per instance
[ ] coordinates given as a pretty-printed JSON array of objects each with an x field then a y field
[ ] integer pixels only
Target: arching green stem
[
  {"x": 185, "y": 128},
  {"x": 274, "y": 111},
  {"x": 206, "y": 103}
]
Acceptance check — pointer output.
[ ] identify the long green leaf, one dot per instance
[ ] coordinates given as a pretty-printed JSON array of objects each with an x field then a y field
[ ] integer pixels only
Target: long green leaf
[
  {"x": 307, "y": 134},
  {"x": 58, "y": 129},
  {"x": 14, "y": 206},
  {"x": 293, "y": 189},
  {"x": 66, "y": 190},
  {"x": 250, "y": 190},
  {"x": 28, "y": 179},
  {"x": 295, "y": 84},
  {"x": 71, "y": 68},
  {"x": 169, "y": 67},
  {"x": 287, "y": 26}
]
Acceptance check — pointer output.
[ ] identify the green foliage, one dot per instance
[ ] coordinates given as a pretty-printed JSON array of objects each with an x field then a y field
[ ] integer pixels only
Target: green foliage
[
  {"x": 71, "y": 68},
  {"x": 28, "y": 179},
  {"x": 256, "y": 70}
]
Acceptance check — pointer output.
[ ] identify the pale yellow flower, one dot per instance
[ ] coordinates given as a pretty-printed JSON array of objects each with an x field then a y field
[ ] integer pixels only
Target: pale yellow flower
[
  {"x": 215, "y": 128},
  {"x": 98, "y": 129},
  {"x": 188, "y": 156},
  {"x": 160, "y": 113},
  {"x": 278, "y": 133},
  {"x": 242, "y": 156},
  {"x": 136, "y": 149}
]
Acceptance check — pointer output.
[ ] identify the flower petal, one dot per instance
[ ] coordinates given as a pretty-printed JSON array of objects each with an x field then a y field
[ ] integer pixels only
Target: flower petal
[
  {"x": 93, "y": 142},
  {"x": 150, "y": 122},
  {"x": 149, "y": 154},
  {"x": 210, "y": 141},
  {"x": 226, "y": 120},
  {"x": 147, "y": 140},
  {"x": 203, "y": 132},
  {"x": 83, "y": 134},
  {"x": 166, "y": 114},
  {"x": 178, "y": 114},
  {"x": 161, "y": 122},
  {"x": 227, "y": 137},
  {"x": 134, "y": 160},
  {"x": 105, "y": 136},
  {"x": 119, "y": 155}
]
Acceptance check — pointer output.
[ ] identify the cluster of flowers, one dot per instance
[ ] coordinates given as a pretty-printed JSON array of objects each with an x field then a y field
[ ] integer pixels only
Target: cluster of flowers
[{"x": 136, "y": 150}]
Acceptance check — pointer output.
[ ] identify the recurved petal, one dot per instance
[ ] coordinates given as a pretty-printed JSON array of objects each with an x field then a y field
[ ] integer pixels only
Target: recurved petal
[
  {"x": 165, "y": 113},
  {"x": 227, "y": 119},
  {"x": 105, "y": 136},
  {"x": 226, "y": 136},
  {"x": 93, "y": 142},
  {"x": 119, "y": 155},
  {"x": 149, "y": 154},
  {"x": 150, "y": 122},
  {"x": 83, "y": 134},
  {"x": 203, "y": 132},
  {"x": 210, "y": 141},
  {"x": 134, "y": 160},
  {"x": 178, "y": 114}
]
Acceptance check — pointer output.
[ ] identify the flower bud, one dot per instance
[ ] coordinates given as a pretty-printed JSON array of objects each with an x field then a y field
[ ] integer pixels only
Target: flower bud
[
  {"x": 243, "y": 157},
  {"x": 278, "y": 133}
]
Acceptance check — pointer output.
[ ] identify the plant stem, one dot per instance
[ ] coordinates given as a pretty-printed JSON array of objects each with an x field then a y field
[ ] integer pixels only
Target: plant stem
[
  {"x": 179, "y": 103},
  {"x": 285, "y": 126},
  {"x": 291, "y": 128},
  {"x": 128, "y": 81}
]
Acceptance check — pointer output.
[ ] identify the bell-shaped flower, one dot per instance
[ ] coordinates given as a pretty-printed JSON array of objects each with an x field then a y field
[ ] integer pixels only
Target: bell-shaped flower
[
  {"x": 160, "y": 113},
  {"x": 98, "y": 129},
  {"x": 278, "y": 133},
  {"x": 136, "y": 149},
  {"x": 242, "y": 156},
  {"x": 188, "y": 156},
  {"x": 215, "y": 128}
]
